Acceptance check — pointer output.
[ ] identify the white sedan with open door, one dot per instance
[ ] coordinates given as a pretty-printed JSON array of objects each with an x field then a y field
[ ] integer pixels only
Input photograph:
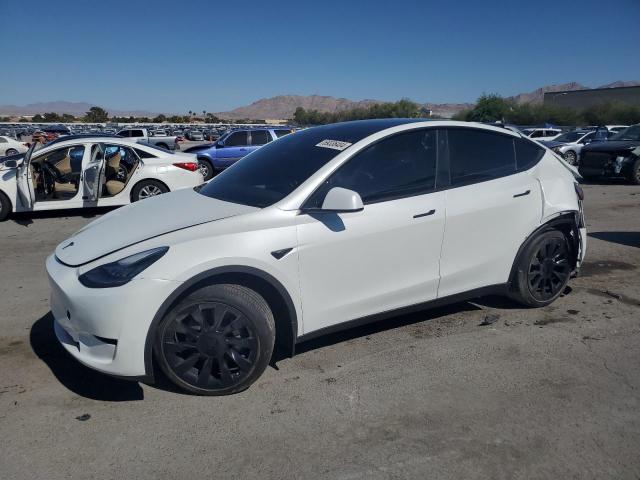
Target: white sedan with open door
[{"x": 91, "y": 171}]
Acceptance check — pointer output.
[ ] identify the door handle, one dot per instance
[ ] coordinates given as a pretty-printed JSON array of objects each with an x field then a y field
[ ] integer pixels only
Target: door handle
[
  {"x": 425, "y": 214},
  {"x": 522, "y": 194}
]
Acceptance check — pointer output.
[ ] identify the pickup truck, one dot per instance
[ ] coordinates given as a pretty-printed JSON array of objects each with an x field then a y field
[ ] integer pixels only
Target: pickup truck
[{"x": 163, "y": 141}]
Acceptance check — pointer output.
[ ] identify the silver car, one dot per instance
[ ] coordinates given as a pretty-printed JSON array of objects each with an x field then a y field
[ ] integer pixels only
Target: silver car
[{"x": 569, "y": 145}]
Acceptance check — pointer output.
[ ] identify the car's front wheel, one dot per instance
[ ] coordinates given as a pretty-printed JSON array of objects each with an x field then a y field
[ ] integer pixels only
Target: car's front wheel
[
  {"x": 216, "y": 341},
  {"x": 543, "y": 270},
  {"x": 5, "y": 206}
]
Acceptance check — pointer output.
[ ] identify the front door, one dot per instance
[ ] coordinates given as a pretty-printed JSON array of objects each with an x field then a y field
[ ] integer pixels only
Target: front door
[
  {"x": 385, "y": 257},
  {"x": 24, "y": 179}
]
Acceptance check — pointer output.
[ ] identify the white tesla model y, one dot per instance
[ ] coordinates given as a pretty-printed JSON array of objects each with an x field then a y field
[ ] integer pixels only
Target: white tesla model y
[{"x": 316, "y": 231}]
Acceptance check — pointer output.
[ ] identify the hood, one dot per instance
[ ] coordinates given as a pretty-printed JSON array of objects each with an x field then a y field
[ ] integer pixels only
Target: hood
[
  {"x": 143, "y": 220},
  {"x": 611, "y": 146}
]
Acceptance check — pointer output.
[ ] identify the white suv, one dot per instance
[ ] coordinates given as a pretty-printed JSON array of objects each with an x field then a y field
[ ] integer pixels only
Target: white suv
[{"x": 316, "y": 231}]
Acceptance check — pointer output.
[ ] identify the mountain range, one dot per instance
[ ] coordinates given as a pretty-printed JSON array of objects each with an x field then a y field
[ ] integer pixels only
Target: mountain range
[{"x": 283, "y": 106}]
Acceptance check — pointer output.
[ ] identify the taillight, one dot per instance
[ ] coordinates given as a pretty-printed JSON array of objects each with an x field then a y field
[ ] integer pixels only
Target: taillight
[
  {"x": 191, "y": 166},
  {"x": 179, "y": 139},
  {"x": 579, "y": 191}
]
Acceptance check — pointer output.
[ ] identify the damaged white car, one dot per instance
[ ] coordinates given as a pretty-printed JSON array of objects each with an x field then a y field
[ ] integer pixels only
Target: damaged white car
[
  {"x": 91, "y": 171},
  {"x": 317, "y": 231}
]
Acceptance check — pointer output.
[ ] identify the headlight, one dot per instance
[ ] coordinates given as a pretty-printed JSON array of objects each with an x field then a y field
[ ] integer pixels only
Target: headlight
[
  {"x": 118, "y": 273},
  {"x": 556, "y": 149}
]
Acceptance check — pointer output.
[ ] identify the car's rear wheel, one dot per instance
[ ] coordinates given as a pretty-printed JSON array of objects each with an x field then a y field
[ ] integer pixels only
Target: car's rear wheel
[
  {"x": 543, "y": 270},
  {"x": 634, "y": 174},
  {"x": 11, "y": 151},
  {"x": 571, "y": 157},
  {"x": 206, "y": 169},
  {"x": 5, "y": 206},
  {"x": 148, "y": 189},
  {"x": 216, "y": 341}
]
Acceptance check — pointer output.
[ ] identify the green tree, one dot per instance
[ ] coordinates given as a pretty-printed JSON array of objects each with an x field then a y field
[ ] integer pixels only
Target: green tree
[
  {"x": 159, "y": 119},
  {"x": 96, "y": 115},
  {"x": 38, "y": 118}
]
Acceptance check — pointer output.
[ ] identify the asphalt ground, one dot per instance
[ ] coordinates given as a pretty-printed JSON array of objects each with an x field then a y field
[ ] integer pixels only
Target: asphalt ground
[{"x": 545, "y": 393}]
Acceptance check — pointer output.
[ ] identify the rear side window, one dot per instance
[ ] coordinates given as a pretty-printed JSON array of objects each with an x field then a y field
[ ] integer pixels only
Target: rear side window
[
  {"x": 401, "y": 166},
  {"x": 136, "y": 133},
  {"x": 236, "y": 139},
  {"x": 143, "y": 154},
  {"x": 477, "y": 156},
  {"x": 536, "y": 134},
  {"x": 527, "y": 154},
  {"x": 260, "y": 137}
]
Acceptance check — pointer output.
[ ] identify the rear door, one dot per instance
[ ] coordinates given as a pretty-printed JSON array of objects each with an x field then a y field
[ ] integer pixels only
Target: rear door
[
  {"x": 92, "y": 175},
  {"x": 493, "y": 203},
  {"x": 236, "y": 146}
]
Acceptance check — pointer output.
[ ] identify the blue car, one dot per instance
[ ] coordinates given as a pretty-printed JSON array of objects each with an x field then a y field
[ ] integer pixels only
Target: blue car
[{"x": 232, "y": 146}]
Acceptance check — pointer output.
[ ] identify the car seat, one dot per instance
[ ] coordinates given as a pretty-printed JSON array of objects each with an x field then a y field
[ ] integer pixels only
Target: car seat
[{"x": 112, "y": 184}]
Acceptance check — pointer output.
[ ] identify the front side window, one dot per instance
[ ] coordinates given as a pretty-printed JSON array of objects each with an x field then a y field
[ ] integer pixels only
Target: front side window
[
  {"x": 237, "y": 139},
  {"x": 476, "y": 156},
  {"x": 136, "y": 133},
  {"x": 536, "y": 134},
  {"x": 400, "y": 166},
  {"x": 260, "y": 137}
]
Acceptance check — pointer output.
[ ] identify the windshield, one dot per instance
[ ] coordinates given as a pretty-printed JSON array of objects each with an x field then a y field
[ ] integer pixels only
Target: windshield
[
  {"x": 570, "y": 137},
  {"x": 631, "y": 133},
  {"x": 272, "y": 172}
]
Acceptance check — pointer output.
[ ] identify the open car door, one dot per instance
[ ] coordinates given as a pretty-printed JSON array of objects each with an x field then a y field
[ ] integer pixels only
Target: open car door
[
  {"x": 92, "y": 175},
  {"x": 25, "y": 181}
]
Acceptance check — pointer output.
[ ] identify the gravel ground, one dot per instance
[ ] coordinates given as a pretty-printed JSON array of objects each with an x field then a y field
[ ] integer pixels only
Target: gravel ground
[{"x": 547, "y": 393}]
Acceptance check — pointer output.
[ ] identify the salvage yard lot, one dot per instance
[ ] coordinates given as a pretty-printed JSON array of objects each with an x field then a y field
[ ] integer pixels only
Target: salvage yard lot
[{"x": 474, "y": 390}]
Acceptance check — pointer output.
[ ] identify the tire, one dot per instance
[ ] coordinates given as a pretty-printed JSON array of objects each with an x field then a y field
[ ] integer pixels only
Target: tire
[
  {"x": 571, "y": 157},
  {"x": 5, "y": 207},
  {"x": 634, "y": 174},
  {"x": 206, "y": 168},
  {"x": 232, "y": 352},
  {"x": 11, "y": 151},
  {"x": 543, "y": 270},
  {"x": 147, "y": 189}
]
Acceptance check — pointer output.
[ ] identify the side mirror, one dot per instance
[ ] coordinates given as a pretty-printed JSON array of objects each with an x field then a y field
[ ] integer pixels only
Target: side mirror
[
  {"x": 11, "y": 164},
  {"x": 219, "y": 144},
  {"x": 340, "y": 199}
]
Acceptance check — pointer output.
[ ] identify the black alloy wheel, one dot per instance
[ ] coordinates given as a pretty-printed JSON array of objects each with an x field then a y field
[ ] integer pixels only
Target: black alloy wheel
[
  {"x": 549, "y": 269},
  {"x": 218, "y": 340},
  {"x": 210, "y": 345}
]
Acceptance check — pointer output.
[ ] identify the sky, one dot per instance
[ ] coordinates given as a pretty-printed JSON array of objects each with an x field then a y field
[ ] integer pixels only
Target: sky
[{"x": 175, "y": 56}]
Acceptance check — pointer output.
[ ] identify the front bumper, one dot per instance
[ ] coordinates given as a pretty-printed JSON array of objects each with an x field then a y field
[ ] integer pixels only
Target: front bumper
[{"x": 105, "y": 328}]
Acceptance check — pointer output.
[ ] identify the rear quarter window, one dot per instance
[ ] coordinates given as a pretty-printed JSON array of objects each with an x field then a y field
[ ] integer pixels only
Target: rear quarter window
[{"x": 528, "y": 154}]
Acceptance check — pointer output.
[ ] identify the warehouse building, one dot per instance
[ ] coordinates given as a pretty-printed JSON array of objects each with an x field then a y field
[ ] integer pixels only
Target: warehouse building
[{"x": 586, "y": 98}]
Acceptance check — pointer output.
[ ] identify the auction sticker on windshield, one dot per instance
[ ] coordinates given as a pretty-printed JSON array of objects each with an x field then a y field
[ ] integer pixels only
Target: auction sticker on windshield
[{"x": 334, "y": 144}]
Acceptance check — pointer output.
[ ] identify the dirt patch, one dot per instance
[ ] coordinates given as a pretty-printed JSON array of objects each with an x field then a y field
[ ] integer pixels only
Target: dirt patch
[{"x": 549, "y": 321}]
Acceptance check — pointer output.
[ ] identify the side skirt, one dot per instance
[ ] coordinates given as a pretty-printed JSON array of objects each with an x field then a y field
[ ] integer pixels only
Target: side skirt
[{"x": 500, "y": 289}]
